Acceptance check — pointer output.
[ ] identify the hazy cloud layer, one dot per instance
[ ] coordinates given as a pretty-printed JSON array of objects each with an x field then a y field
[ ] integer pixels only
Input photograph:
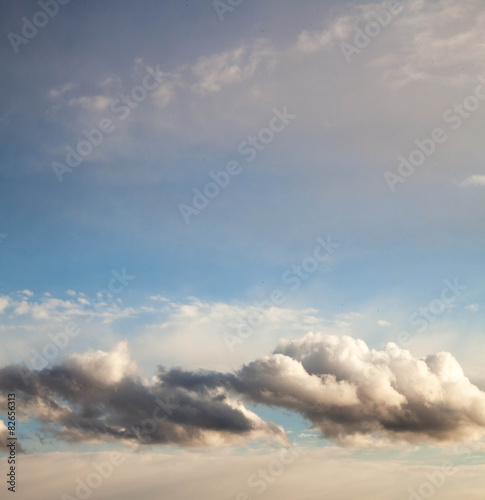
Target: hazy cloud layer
[
  {"x": 229, "y": 476},
  {"x": 352, "y": 394}
]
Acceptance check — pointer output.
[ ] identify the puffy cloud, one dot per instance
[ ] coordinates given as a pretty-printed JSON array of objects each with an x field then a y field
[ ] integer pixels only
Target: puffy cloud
[
  {"x": 112, "y": 366},
  {"x": 59, "y": 310},
  {"x": 3, "y": 436},
  {"x": 283, "y": 381},
  {"x": 399, "y": 397},
  {"x": 352, "y": 394},
  {"x": 427, "y": 27},
  {"x": 98, "y": 396}
]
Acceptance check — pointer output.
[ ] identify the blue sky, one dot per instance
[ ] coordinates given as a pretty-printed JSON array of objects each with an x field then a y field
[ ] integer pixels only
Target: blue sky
[{"x": 327, "y": 127}]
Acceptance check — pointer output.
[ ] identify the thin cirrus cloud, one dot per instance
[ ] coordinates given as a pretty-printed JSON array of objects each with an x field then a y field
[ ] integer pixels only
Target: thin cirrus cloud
[
  {"x": 98, "y": 396},
  {"x": 241, "y": 75},
  {"x": 351, "y": 394},
  {"x": 328, "y": 469}
]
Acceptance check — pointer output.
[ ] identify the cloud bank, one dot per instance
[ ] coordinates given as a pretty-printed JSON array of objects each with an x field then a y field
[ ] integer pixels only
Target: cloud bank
[
  {"x": 233, "y": 477},
  {"x": 352, "y": 394}
]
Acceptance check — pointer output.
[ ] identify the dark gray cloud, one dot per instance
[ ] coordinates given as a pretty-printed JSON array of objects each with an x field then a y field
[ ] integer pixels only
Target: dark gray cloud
[
  {"x": 352, "y": 394},
  {"x": 96, "y": 401}
]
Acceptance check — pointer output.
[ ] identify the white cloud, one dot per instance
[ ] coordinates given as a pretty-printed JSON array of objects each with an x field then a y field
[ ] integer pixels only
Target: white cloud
[
  {"x": 191, "y": 334},
  {"x": 158, "y": 298},
  {"x": 22, "y": 308},
  {"x": 4, "y": 302},
  {"x": 426, "y": 30},
  {"x": 322, "y": 376},
  {"x": 383, "y": 322},
  {"x": 245, "y": 81},
  {"x": 339, "y": 30},
  {"x": 32, "y": 321},
  {"x": 95, "y": 103},
  {"x": 57, "y": 92},
  {"x": 400, "y": 397},
  {"x": 3, "y": 436},
  {"x": 227, "y": 68},
  {"x": 474, "y": 180}
]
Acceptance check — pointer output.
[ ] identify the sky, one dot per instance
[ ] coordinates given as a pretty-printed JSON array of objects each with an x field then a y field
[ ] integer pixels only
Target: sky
[{"x": 242, "y": 248}]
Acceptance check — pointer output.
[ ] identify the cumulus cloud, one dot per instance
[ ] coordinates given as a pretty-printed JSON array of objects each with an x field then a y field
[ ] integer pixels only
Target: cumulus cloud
[
  {"x": 399, "y": 397},
  {"x": 99, "y": 396},
  {"x": 352, "y": 394}
]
